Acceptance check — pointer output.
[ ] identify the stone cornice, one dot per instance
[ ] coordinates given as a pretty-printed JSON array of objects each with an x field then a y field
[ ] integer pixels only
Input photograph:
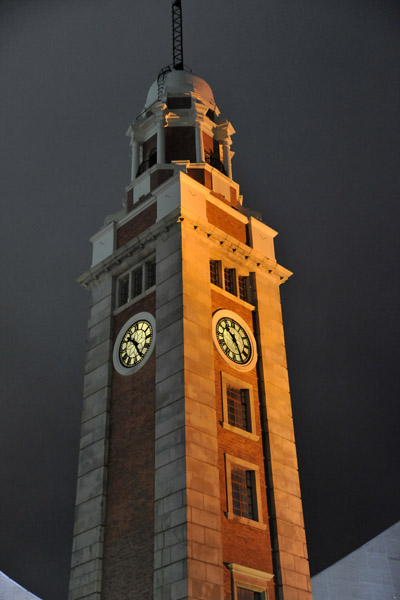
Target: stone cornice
[
  {"x": 113, "y": 264},
  {"x": 253, "y": 259}
]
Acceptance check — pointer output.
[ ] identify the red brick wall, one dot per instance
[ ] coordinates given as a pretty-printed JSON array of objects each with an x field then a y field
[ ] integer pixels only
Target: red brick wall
[
  {"x": 241, "y": 543},
  {"x": 136, "y": 225},
  {"x": 217, "y": 216},
  {"x": 128, "y": 545}
]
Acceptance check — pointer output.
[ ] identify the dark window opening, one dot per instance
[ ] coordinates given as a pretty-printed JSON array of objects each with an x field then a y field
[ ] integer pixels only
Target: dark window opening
[
  {"x": 179, "y": 102},
  {"x": 230, "y": 280},
  {"x": 137, "y": 282},
  {"x": 243, "y": 490},
  {"x": 215, "y": 272},
  {"x": 214, "y": 160},
  {"x": 238, "y": 403},
  {"x": 124, "y": 291},
  {"x": 243, "y": 288},
  {"x": 151, "y": 274},
  {"x": 243, "y": 594},
  {"x": 210, "y": 114},
  {"x": 153, "y": 157}
]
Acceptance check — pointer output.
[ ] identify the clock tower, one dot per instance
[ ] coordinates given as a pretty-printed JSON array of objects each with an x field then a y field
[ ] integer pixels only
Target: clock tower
[{"x": 187, "y": 483}]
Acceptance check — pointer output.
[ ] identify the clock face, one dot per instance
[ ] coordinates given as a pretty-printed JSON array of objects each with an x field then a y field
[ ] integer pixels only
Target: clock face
[
  {"x": 134, "y": 343},
  {"x": 234, "y": 340}
]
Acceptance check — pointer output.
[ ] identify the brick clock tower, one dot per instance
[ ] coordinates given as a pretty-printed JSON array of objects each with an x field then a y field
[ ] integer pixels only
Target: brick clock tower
[{"x": 188, "y": 484}]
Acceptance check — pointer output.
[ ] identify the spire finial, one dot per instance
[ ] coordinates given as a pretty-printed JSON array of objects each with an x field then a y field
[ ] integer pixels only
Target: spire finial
[{"x": 177, "y": 41}]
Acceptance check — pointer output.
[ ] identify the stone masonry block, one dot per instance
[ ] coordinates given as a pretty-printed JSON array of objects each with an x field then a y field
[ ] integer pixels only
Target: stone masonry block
[
  {"x": 286, "y": 478},
  {"x": 178, "y": 551},
  {"x": 283, "y": 450},
  {"x": 91, "y": 484},
  {"x": 196, "y": 387},
  {"x": 175, "y": 535},
  {"x": 98, "y": 355},
  {"x": 87, "y": 554},
  {"x": 169, "y": 244},
  {"x": 212, "y": 538},
  {"x": 215, "y": 574},
  {"x": 201, "y": 417},
  {"x": 170, "y": 486},
  {"x": 88, "y": 538},
  {"x": 169, "y": 289},
  {"x": 200, "y": 590},
  {"x": 171, "y": 337},
  {"x": 169, "y": 266},
  {"x": 171, "y": 440},
  {"x": 179, "y": 589},
  {"x": 90, "y": 567},
  {"x": 170, "y": 389},
  {"x": 99, "y": 333},
  {"x": 204, "y": 553},
  {"x": 170, "y": 418},
  {"x": 205, "y": 518},
  {"x": 174, "y": 572},
  {"x": 280, "y": 424},
  {"x": 92, "y": 457},
  {"x": 196, "y": 533},
  {"x": 278, "y": 398},
  {"x": 169, "y": 313},
  {"x": 97, "y": 379},
  {"x": 169, "y": 363},
  {"x": 101, "y": 289},
  {"x": 202, "y": 453},
  {"x": 94, "y": 430},
  {"x": 296, "y": 580},
  {"x": 99, "y": 311},
  {"x": 89, "y": 514},
  {"x": 201, "y": 482},
  {"x": 171, "y": 454},
  {"x": 95, "y": 404},
  {"x": 171, "y": 470}
]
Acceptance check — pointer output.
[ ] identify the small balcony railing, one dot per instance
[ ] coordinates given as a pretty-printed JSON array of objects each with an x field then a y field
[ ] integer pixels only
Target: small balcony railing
[{"x": 214, "y": 161}]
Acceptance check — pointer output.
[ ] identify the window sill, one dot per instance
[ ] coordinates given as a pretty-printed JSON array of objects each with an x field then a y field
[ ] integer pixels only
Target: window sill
[
  {"x": 245, "y": 521},
  {"x": 243, "y": 432}
]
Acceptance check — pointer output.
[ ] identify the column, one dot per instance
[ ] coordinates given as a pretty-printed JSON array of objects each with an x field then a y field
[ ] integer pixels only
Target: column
[
  {"x": 160, "y": 140},
  {"x": 135, "y": 158},
  {"x": 199, "y": 143},
  {"x": 227, "y": 158}
]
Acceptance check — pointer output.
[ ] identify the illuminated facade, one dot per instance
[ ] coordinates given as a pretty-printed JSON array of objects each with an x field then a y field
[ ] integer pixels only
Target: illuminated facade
[{"x": 188, "y": 484}]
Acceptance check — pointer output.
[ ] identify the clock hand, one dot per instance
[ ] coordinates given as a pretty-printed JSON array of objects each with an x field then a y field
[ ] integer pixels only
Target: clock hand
[{"x": 134, "y": 342}]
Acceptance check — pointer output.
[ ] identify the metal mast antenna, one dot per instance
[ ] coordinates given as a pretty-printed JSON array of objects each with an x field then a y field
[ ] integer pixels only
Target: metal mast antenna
[{"x": 177, "y": 42}]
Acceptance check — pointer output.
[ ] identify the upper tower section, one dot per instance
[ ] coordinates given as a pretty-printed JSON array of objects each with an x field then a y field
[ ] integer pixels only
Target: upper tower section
[{"x": 181, "y": 123}]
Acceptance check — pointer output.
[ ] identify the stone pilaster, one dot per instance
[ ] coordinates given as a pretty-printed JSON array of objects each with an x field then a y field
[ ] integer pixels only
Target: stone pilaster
[{"x": 87, "y": 548}]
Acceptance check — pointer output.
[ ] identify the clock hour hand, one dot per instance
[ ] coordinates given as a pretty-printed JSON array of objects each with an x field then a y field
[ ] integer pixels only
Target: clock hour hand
[{"x": 134, "y": 342}]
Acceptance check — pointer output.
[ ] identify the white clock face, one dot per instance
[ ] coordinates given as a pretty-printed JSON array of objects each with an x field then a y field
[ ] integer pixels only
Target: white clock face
[
  {"x": 234, "y": 340},
  {"x": 134, "y": 343}
]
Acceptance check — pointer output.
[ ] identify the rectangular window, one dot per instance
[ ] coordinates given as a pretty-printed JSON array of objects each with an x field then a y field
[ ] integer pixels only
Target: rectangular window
[
  {"x": 137, "y": 282},
  {"x": 243, "y": 288},
  {"x": 230, "y": 280},
  {"x": 215, "y": 272},
  {"x": 243, "y": 594},
  {"x": 151, "y": 273},
  {"x": 123, "y": 290},
  {"x": 243, "y": 490},
  {"x": 238, "y": 404}
]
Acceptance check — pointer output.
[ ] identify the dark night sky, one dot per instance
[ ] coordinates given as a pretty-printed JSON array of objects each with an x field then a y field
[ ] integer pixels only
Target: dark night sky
[{"x": 312, "y": 88}]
